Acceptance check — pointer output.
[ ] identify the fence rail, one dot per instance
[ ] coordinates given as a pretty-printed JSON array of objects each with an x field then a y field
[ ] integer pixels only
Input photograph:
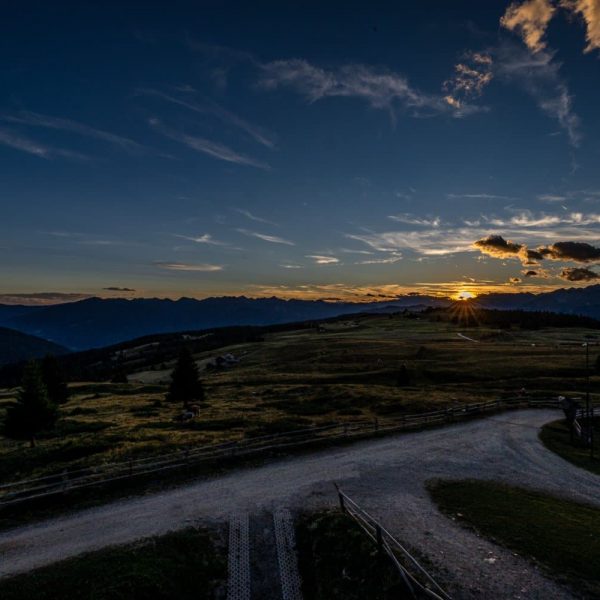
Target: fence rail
[
  {"x": 417, "y": 581},
  {"x": 69, "y": 480}
]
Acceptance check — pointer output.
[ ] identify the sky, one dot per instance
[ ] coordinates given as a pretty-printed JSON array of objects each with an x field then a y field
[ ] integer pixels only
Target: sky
[{"x": 345, "y": 151}]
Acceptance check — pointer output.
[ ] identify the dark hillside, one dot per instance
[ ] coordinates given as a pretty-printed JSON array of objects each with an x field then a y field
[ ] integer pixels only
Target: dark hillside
[{"x": 16, "y": 346}]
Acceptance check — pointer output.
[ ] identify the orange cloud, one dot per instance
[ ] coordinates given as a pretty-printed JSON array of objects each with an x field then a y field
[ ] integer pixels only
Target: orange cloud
[
  {"x": 530, "y": 20},
  {"x": 589, "y": 10}
]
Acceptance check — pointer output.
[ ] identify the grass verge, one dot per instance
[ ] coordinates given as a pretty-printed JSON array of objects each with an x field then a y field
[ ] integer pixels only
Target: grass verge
[
  {"x": 561, "y": 535},
  {"x": 555, "y": 436},
  {"x": 182, "y": 565},
  {"x": 338, "y": 561}
]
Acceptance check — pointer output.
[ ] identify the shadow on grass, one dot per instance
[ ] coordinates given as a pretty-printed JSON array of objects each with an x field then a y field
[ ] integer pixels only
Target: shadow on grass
[
  {"x": 556, "y": 437},
  {"x": 561, "y": 535},
  {"x": 338, "y": 561},
  {"x": 183, "y": 565}
]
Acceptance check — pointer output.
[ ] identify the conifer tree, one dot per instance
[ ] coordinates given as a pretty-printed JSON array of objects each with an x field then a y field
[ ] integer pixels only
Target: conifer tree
[
  {"x": 54, "y": 380},
  {"x": 185, "y": 384},
  {"x": 33, "y": 411},
  {"x": 119, "y": 373}
]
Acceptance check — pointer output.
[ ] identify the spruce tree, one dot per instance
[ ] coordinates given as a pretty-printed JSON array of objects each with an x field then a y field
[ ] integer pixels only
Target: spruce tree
[
  {"x": 185, "y": 385},
  {"x": 119, "y": 373},
  {"x": 54, "y": 380},
  {"x": 403, "y": 376},
  {"x": 33, "y": 411}
]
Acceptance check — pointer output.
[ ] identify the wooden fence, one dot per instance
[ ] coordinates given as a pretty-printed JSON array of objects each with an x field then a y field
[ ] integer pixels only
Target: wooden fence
[
  {"x": 76, "y": 479},
  {"x": 417, "y": 582}
]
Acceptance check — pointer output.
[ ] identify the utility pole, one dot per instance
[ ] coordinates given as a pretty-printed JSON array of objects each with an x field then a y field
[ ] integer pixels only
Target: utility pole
[{"x": 589, "y": 412}]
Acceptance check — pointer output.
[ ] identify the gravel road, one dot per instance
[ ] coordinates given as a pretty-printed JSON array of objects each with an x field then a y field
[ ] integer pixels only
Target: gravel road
[{"x": 385, "y": 476}]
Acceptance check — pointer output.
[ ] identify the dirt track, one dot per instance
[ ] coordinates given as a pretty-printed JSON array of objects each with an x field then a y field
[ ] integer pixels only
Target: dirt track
[{"x": 385, "y": 476}]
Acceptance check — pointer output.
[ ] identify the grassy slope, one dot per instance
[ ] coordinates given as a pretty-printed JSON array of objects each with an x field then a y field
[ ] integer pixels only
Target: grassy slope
[
  {"x": 296, "y": 378},
  {"x": 555, "y": 437},
  {"x": 563, "y": 536},
  {"x": 182, "y": 565}
]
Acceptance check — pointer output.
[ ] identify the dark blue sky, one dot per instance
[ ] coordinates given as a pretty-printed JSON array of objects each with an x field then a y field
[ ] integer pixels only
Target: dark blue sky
[{"x": 312, "y": 149}]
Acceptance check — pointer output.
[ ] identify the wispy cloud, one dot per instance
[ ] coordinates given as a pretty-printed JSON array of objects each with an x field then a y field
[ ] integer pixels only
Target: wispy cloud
[
  {"x": 90, "y": 239},
  {"x": 273, "y": 239},
  {"x": 394, "y": 257},
  {"x": 380, "y": 88},
  {"x": 253, "y": 217},
  {"x": 433, "y": 242},
  {"x": 33, "y": 119},
  {"x": 203, "y": 239},
  {"x": 320, "y": 259},
  {"x": 551, "y": 198},
  {"x": 526, "y": 218},
  {"x": 203, "y": 267},
  {"x": 24, "y": 144},
  {"x": 214, "y": 149},
  {"x": 258, "y": 134},
  {"x": 539, "y": 75},
  {"x": 41, "y": 298},
  {"x": 415, "y": 220},
  {"x": 448, "y": 238},
  {"x": 351, "y": 251},
  {"x": 480, "y": 196},
  {"x": 30, "y": 146}
]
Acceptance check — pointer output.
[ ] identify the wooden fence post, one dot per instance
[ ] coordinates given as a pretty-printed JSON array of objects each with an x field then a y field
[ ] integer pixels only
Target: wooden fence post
[{"x": 379, "y": 538}]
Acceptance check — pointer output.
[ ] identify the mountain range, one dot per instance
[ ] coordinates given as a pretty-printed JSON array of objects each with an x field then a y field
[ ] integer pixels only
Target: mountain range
[{"x": 96, "y": 322}]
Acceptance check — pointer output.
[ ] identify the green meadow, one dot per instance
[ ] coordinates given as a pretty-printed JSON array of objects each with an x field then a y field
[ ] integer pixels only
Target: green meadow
[{"x": 368, "y": 367}]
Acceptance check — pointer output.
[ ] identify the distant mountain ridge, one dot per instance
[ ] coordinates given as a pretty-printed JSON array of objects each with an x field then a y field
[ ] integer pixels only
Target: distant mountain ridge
[
  {"x": 583, "y": 301},
  {"x": 16, "y": 346},
  {"x": 96, "y": 322}
]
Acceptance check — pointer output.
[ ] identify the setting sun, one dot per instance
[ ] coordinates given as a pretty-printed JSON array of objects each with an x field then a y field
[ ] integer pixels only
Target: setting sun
[{"x": 465, "y": 295}]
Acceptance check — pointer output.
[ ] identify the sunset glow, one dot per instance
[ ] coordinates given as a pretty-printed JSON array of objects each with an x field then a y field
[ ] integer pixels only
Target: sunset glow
[{"x": 465, "y": 295}]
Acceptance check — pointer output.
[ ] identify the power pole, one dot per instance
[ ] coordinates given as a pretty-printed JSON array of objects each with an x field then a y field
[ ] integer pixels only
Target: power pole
[{"x": 588, "y": 410}]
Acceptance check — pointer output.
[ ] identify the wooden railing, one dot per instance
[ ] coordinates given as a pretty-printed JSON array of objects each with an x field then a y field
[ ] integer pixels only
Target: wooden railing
[
  {"x": 76, "y": 479},
  {"x": 417, "y": 582}
]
